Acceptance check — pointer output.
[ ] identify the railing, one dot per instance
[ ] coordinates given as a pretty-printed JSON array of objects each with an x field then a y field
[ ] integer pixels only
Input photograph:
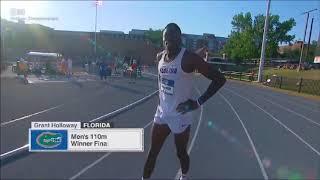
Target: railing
[{"x": 240, "y": 76}]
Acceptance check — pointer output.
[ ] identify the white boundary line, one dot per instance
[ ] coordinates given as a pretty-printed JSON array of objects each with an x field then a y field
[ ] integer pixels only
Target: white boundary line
[
  {"x": 298, "y": 114},
  {"x": 298, "y": 104},
  {"x": 68, "y": 81},
  {"x": 263, "y": 171},
  {"x": 293, "y": 101},
  {"x": 101, "y": 117},
  {"x": 123, "y": 108},
  {"x": 194, "y": 137},
  {"x": 40, "y": 82},
  {"x": 283, "y": 107},
  {"x": 46, "y": 110},
  {"x": 149, "y": 74},
  {"x": 15, "y": 150},
  {"x": 97, "y": 161},
  {"x": 277, "y": 120},
  {"x": 198, "y": 127},
  {"x": 30, "y": 115},
  {"x": 90, "y": 166}
]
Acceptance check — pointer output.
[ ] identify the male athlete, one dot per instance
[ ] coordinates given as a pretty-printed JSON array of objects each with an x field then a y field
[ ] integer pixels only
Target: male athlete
[{"x": 173, "y": 114}]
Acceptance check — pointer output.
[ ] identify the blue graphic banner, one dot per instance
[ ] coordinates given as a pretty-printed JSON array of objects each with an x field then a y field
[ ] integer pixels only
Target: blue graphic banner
[{"x": 48, "y": 140}]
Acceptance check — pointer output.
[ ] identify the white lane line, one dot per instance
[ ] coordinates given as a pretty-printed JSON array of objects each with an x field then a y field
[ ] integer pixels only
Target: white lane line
[
  {"x": 15, "y": 150},
  {"x": 70, "y": 81},
  {"x": 198, "y": 127},
  {"x": 97, "y": 161},
  {"x": 277, "y": 120},
  {"x": 149, "y": 74},
  {"x": 121, "y": 109},
  {"x": 107, "y": 154},
  {"x": 283, "y": 107},
  {"x": 90, "y": 166},
  {"x": 195, "y": 135},
  {"x": 313, "y": 108},
  {"x": 27, "y": 145},
  {"x": 46, "y": 110},
  {"x": 263, "y": 171},
  {"x": 30, "y": 115},
  {"x": 39, "y": 82},
  {"x": 298, "y": 114},
  {"x": 295, "y": 102}
]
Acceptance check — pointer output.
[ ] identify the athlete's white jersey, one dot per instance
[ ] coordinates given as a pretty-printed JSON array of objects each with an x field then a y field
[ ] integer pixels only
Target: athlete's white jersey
[{"x": 175, "y": 87}]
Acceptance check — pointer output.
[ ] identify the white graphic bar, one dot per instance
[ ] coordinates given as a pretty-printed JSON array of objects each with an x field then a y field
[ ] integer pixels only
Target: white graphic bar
[{"x": 111, "y": 140}]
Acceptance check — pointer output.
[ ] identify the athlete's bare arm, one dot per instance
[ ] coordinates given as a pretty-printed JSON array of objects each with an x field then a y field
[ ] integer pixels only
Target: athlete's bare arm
[
  {"x": 158, "y": 58},
  {"x": 195, "y": 62},
  {"x": 192, "y": 62}
]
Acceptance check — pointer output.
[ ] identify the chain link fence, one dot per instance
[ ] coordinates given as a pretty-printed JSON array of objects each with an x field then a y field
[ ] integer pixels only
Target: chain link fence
[{"x": 294, "y": 84}]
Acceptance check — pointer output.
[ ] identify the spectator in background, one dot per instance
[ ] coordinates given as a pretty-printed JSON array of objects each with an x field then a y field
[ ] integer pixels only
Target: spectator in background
[
  {"x": 58, "y": 65},
  {"x": 252, "y": 75},
  {"x": 69, "y": 67},
  {"x": 125, "y": 65},
  {"x": 134, "y": 65},
  {"x": 133, "y": 72},
  {"x": 109, "y": 69},
  {"x": 63, "y": 66},
  {"x": 103, "y": 70},
  {"x": 206, "y": 55},
  {"x": 23, "y": 69}
]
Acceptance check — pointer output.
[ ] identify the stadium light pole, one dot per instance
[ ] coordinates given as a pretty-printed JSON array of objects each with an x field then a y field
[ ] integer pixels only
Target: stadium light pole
[
  {"x": 310, "y": 33},
  {"x": 95, "y": 32},
  {"x": 304, "y": 38},
  {"x": 2, "y": 46},
  {"x": 263, "y": 48},
  {"x": 97, "y": 3}
]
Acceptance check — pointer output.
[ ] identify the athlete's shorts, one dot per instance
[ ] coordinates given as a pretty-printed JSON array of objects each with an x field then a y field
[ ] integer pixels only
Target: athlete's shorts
[{"x": 176, "y": 125}]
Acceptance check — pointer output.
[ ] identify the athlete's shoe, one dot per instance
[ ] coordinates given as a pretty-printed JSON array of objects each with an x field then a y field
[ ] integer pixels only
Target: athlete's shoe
[{"x": 183, "y": 177}]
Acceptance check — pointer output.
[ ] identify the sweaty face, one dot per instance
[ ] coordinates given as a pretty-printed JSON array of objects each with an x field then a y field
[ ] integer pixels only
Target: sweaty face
[{"x": 171, "y": 39}]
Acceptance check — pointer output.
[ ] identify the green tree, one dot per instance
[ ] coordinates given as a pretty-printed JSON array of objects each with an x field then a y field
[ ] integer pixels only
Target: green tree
[
  {"x": 240, "y": 46},
  {"x": 155, "y": 36},
  {"x": 291, "y": 54},
  {"x": 246, "y": 37},
  {"x": 242, "y": 22},
  {"x": 277, "y": 33}
]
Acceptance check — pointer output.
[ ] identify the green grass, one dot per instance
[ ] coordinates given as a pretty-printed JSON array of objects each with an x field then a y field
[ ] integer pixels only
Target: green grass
[
  {"x": 288, "y": 73},
  {"x": 289, "y": 92},
  {"x": 290, "y": 79}
]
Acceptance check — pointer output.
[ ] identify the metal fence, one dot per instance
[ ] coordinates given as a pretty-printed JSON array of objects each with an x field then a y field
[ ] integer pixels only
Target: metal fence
[
  {"x": 294, "y": 84},
  {"x": 240, "y": 76}
]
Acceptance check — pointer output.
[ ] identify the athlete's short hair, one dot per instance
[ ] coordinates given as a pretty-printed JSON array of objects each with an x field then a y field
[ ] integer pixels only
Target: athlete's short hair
[{"x": 175, "y": 26}]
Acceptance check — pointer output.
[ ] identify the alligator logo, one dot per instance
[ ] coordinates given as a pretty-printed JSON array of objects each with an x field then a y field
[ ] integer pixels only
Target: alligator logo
[{"x": 49, "y": 139}]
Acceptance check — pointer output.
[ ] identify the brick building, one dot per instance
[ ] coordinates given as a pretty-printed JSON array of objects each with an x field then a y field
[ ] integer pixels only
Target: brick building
[
  {"x": 194, "y": 42},
  {"x": 296, "y": 46},
  {"x": 20, "y": 38}
]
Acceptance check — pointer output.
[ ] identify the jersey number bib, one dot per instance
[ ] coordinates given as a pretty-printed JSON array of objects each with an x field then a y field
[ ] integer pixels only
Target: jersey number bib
[{"x": 167, "y": 86}]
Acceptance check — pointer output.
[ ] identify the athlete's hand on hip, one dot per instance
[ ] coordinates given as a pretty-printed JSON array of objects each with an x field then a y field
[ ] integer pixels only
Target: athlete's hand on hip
[{"x": 187, "y": 106}]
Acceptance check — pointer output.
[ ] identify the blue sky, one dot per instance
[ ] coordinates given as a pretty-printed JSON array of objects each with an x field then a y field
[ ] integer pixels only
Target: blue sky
[{"x": 194, "y": 17}]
